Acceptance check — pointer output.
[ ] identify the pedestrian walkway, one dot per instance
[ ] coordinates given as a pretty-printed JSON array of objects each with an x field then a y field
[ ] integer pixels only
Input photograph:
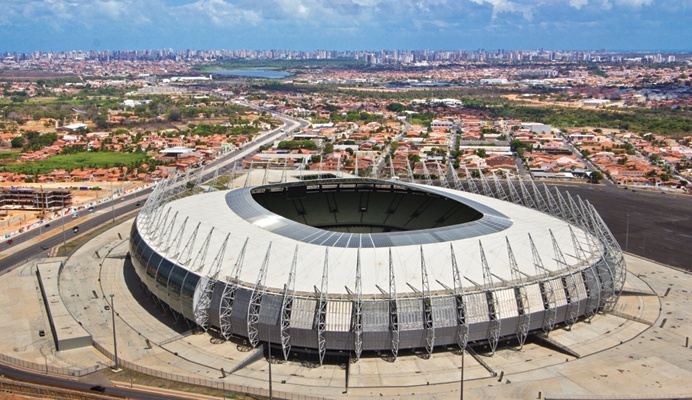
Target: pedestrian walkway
[{"x": 631, "y": 351}]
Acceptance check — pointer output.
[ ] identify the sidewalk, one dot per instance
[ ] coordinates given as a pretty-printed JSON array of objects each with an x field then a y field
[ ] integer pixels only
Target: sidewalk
[{"x": 631, "y": 352}]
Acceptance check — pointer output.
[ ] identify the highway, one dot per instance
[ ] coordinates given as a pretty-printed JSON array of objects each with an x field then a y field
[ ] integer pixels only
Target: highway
[
  {"x": 58, "y": 231},
  {"x": 63, "y": 383},
  {"x": 36, "y": 241}
]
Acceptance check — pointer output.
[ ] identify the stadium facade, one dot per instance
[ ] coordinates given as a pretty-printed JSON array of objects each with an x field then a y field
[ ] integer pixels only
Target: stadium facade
[{"x": 346, "y": 266}]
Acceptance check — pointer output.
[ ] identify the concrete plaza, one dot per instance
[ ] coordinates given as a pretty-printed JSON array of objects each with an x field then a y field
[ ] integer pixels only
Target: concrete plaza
[{"x": 638, "y": 351}]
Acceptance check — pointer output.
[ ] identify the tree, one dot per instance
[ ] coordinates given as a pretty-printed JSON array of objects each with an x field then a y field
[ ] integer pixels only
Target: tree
[
  {"x": 101, "y": 122},
  {"x": 17, "y": 142},
  {"x": 396, "y": 107},
  {"x": 174, "y": 115},
  {"x": 596, "y": 177},
  {"x": 414, "y": 158}
]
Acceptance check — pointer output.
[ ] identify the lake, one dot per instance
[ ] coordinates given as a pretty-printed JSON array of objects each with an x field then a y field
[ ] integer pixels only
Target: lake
[{"x": 253, "y": 73}]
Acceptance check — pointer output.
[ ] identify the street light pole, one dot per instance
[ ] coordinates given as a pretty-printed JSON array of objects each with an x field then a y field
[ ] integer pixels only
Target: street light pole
[
  {"x": 627, "y": 233},
  {"x": 271, "y": 396},
  {"x": 115, "y": 342},
  {"x": 64, "y": 238},
  {"x": 113, "y": 202},
  {"x": 461, "y": 396}
]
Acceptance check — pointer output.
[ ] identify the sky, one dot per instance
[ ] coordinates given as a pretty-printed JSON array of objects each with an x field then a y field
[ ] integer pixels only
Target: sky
[{"x": 60, "y": 25}]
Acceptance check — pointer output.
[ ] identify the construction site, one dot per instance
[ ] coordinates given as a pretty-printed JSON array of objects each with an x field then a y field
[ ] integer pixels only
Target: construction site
[{"x": 32, "y": 199}]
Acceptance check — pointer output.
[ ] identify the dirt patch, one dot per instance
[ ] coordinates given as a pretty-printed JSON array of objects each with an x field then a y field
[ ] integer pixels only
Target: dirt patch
[
  {"x": 13, "y": 219},
  {"x": 136, "y": 378},
  {"x": 11, "y": 74}
]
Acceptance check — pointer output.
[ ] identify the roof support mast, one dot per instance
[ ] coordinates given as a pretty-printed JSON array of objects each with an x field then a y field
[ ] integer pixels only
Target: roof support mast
[
  {"x": 494, "y": 325},
  {"x": 321, "y": 316},
  {"x": 228, "y": 296},
  {"x": 287, "y": 306},
  {"x": 473, "y": 188},
  {"x": 547, "y": 291},
  {"x": 428, "y": 323},
  {"x": 455, "y": 177},
  {"x": 358, "y": 311},
  {"x": 393, "y": 309},
  {"x": 521, "y": 296},
  {"x": 569, "y": 284},
  {"x": 202, "y": 307},
  {"x": 254, "y": 308},
  {"x": 463, "y": 327}
]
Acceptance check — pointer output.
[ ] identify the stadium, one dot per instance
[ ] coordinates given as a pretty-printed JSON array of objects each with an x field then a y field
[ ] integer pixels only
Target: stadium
[{"x": 325, "y": 267}]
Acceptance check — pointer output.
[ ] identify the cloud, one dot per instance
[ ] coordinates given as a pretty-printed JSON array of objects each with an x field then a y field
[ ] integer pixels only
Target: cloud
[
  {"x": 67, "y": 13},
  {"x": 507, "y": 6},
  {"x": 578, "y": 4},
  {"x": 218, "y": 12},
  {"x": 634, "y": 3},
  {"x": 361, "y": 24}
]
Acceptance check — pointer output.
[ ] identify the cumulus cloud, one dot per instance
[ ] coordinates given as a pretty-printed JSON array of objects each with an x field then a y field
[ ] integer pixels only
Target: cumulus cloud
[
  {"x": 507, "y": 6},
  {"x": 634, "y": 3},
  {"x": 344, "y": 23},
  {"x": 218, "y": 12},
  {"x": 86, "y": 13},
  {"x": 578, "y": 4}
]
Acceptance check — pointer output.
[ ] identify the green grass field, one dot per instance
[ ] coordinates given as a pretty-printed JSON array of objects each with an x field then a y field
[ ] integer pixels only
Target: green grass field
[
  {"x": 74, "y": 161},
  {"x": 9, "y": 155}
]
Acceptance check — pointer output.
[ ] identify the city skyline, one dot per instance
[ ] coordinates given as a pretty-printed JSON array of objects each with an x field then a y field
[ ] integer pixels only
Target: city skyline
[{"x": 623, "y": 25}]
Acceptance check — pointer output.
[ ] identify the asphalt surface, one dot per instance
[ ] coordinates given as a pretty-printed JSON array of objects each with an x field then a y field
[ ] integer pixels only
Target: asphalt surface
[
  {"x": 659, "y": 226},
  {"x": 53, "y": 235},
  {"x": 650, "y": 224},
  {"x": 60, "y": 382}
]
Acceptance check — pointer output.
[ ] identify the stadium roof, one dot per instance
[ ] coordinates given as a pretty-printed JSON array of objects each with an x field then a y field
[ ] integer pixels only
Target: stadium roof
[{"x": 237, "y": 215}]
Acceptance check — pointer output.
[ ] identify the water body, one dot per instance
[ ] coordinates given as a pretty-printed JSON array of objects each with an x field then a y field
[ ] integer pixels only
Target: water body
[{"x": 253, "y": 73}]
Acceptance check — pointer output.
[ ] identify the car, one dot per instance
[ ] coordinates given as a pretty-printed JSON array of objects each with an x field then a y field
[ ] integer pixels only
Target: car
[
  {"x": 75, "y": 229},
  {"x": 10, "y": 241},
  {"x": 47, "y": 226},
  {"x": 91, "y": 209},
  {"x": 41, "y": 332},
  {"x": 98, "y": 388},
  {"x": 106, "y": 307},
  {"x": 44, "y": 247}
]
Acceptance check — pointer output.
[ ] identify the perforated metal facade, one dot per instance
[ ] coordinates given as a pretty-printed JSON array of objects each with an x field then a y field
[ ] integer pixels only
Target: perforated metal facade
[{"x": 401, "y": 295}]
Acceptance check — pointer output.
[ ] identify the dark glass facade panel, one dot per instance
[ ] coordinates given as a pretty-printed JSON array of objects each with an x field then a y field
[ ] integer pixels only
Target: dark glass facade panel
[
  {"x": 187, "y": 295},
  {"x": 175, "y": 285},
  {"x": 171, "y": 283},
  {"x": 152, "y": 268},
  {"x": 162, "y": 276}
]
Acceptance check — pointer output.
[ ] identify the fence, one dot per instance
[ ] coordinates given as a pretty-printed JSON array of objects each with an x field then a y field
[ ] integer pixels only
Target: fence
[
  {"x": 48, "y": 369},
  {"x": 46, "y": 391},
  {"x": 215, "y": 384}
]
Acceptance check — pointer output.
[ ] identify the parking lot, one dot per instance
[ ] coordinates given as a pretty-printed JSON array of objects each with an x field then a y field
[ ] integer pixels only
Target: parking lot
[{"x": 660, "y": 225}]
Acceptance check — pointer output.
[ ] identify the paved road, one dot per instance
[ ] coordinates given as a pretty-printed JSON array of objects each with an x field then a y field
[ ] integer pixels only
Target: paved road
[
  {"x": 54, "y": 233},
  {"x": 49, "y": 380},
  {"x": 26, "y": 246}
]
